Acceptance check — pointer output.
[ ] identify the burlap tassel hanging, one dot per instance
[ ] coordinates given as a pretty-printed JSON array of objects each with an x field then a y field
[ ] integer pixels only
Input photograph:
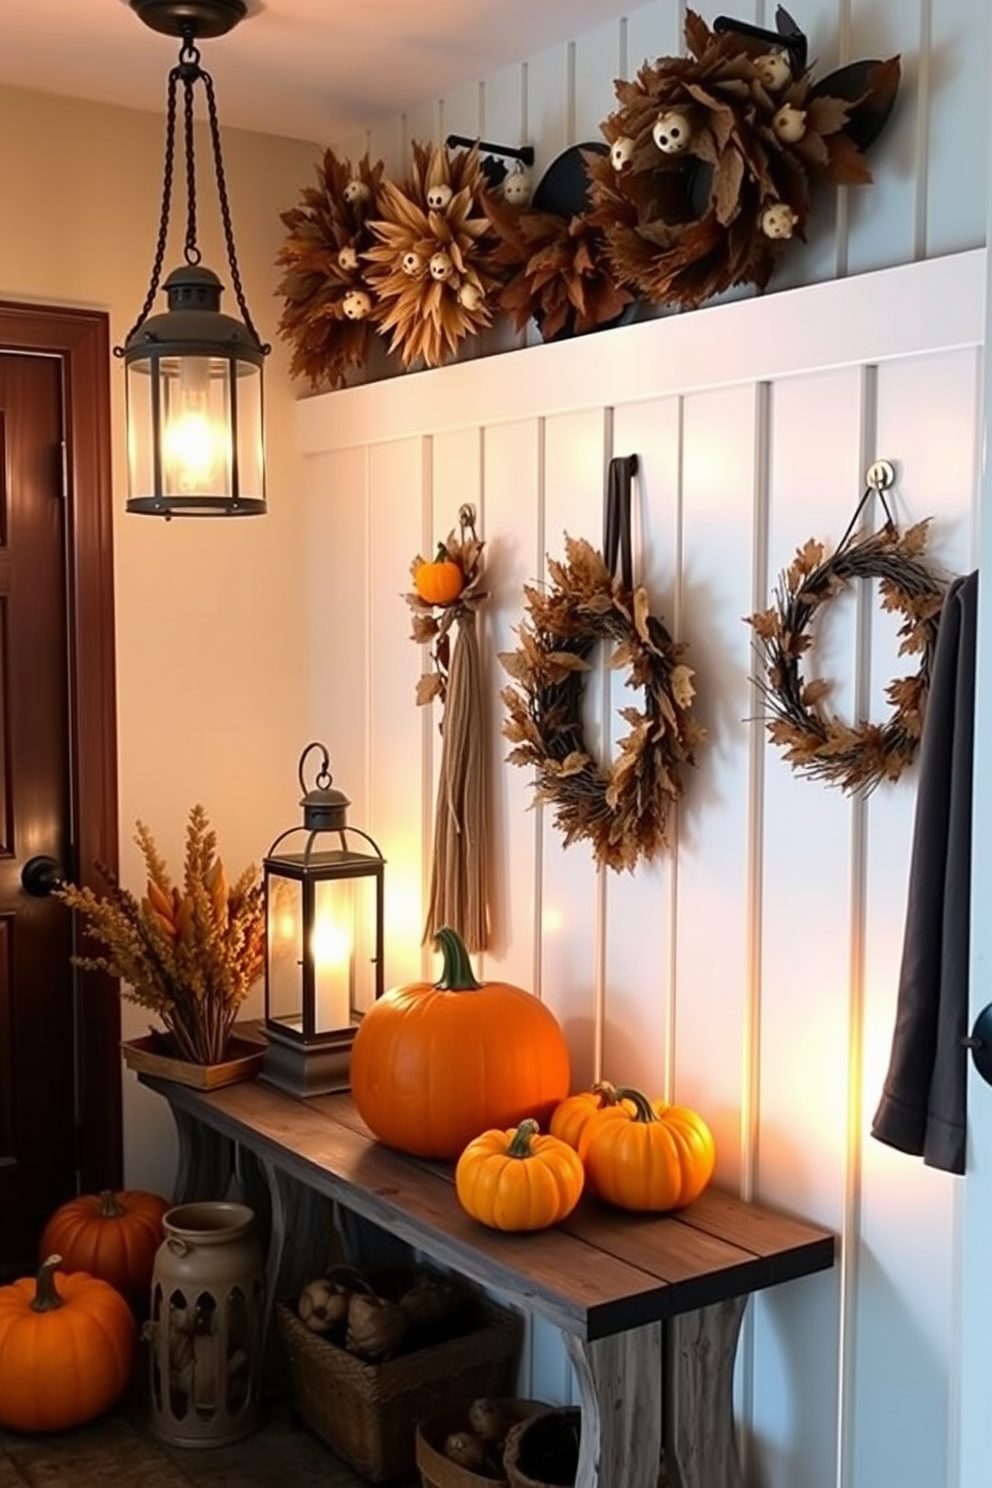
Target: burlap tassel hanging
[{"x": 447, "y": 594}]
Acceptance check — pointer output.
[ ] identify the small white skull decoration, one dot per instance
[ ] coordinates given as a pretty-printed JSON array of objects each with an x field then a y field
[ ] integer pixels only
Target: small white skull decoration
[
  {"x": 356, "y": 191},
  {"x": 412, "y": 264},
  {"x": 348, "y": 259},
  {"x": 470, "y": 296},
  {"x": 778, "y": 220},
  {"x": 621, "y": 152},
  {"x": 517, "y": 187},
  {"x": 789, "y": 124},
  {"x": 672, "y": 132},
  {"x": 773, "y": 69},
  {"x": 440, "y": 266},
  {"x": 357, "y": 305},
  {"x": 439, "y": 196}
]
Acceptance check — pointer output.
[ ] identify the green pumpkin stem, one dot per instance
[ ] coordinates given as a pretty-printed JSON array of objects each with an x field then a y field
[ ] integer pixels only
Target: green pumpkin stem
[
  {"x": 442, "y": 555},
  {"x": 46, "y": 1298},
  {"x": 643, "y": 1109},
  {"x": 522, "y": 1138},
  {"x": 109, "y": 1207},
  {"x": 456, "y": 973}
]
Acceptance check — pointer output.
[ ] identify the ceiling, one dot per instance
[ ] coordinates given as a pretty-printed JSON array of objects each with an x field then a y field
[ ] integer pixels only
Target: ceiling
[{"x": 309, "y": 69}]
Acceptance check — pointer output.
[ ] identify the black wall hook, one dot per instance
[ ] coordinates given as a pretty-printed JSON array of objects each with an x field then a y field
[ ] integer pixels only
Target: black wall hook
[{"x": 980, "y": 1043}]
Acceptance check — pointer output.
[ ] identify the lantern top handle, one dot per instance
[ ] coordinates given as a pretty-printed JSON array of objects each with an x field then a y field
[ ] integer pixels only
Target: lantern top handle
[{"x": 324, "y": 777}]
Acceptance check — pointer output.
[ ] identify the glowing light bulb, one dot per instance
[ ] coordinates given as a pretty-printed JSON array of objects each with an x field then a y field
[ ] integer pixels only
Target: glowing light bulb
[{"x": 195, "y": 444}]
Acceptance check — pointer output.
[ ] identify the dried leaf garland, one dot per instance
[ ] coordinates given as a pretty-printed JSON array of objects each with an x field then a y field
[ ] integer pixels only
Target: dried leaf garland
[
  {"x": 430, "y": 267},
  {"x": 559, "y": 272},
  {"x": 711, "y": 160},
  {"x": 459, "y": 890},
  {"x": 328, "y": 299},
  {"x": 815, "y": 742},
  {"x": 624, "y": 810}
]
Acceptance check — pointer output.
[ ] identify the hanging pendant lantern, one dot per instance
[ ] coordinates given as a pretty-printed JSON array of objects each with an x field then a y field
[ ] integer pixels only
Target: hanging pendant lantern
[{"x": 194, "y": 374}]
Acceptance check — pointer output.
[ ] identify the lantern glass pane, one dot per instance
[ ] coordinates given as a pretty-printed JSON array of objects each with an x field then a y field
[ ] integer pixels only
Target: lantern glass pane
[
  {"x": 332, "y": 945},
  {"x": 140, "y": 430},
  {"x": 284, "y": 951},
  {"x": 196, "y": 425},
  {"x": 250, "y": 452}
]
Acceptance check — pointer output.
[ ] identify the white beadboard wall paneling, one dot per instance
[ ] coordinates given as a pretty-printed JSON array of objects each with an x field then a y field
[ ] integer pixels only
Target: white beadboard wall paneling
[
  {"x": 904, "y": 1369},
  {"x": 514, "y": 483},
  {"x": 886, "y": 219},
  {"x": 654, "y": 31},
  {"x": 598, "y": 60},
  {"x": 503, "y": 121},
  {"x": 958, "y": 146},
  {"x": 456, "y": 477},
  {"x": 338, "y": 565},
  {"x": 460, "y": 112},
  {"x": 387, "y": 142},
  {"x": 718, "y": 471},
  {"x": 401, "y": 740},
  {"x": 754, "y": 340},
  {"x": 641, "y": 921},
  {"x": 423, "y": 126},
  {"x": 550, "y": 80},
  {"x": 571, "y": 975},
  {"x": 805, "y": 965}
]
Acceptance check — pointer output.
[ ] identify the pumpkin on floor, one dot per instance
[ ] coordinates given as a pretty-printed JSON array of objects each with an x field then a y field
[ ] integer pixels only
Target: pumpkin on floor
[
  {"x": 654, "y": 1158},
  {"x": 110, "y": 1235},
  {"x": 67, "y": 1345},
  {"x": 434, "y": 1064},
  {"x": 519, "y": 1180}
]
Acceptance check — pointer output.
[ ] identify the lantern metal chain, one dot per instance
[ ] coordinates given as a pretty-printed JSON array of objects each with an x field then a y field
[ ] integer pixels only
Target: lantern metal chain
[{"x": 187, "y": 71}]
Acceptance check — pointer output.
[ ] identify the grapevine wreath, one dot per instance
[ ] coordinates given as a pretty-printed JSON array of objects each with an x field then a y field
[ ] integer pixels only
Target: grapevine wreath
[
  {"x": 712, "y": 156},
  {"x": 815, "y": 742},
  {"x": 623, "y": 810}
]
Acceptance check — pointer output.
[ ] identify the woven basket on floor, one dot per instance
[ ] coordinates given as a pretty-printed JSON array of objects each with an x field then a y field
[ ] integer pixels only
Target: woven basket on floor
[
  {"x": 545, "y": 1444},
  {"x": 437, "y": 1470},
  {"x": 368, "y": 1413}
]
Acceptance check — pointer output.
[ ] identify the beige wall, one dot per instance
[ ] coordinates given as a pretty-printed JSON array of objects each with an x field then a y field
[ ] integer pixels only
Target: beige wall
[{"x": 211, "y": 643}]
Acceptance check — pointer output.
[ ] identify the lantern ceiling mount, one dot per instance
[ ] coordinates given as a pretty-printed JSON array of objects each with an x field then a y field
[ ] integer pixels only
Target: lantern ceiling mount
[{"x": 198, "y": 18}]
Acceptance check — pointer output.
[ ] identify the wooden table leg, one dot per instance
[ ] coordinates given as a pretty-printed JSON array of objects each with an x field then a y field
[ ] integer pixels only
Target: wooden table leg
[
  {"x": 700, "y": 1347},
  {"x": 620, "y": 1395},
  {"x": 206, "y": 1160}
]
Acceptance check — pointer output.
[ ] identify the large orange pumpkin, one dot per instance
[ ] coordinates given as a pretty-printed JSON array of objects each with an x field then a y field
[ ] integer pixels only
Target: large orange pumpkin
[
  {"x": 110, "y": 1235},
  {"x": 658, "y": 1157},
  {"x": 67, "y": 1345},
  {"x": 434, "y": 1064}
]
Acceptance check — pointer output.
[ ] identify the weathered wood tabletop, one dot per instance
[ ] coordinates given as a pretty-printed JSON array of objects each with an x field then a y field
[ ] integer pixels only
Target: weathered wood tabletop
[{"x": 650, "y": 1305}]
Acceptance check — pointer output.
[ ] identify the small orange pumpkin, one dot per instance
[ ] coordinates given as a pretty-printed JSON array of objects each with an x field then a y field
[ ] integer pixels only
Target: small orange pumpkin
[
  {"x": 439, "y": 580},
  {"x": 569, "y": 1120},
  {"x": 434, "y": 1064},
  {"x": 658, "y": 1157},
  {"x": 110, "y": 1235},
  {"x": 519, "y": 1180},
  {"x": 67, "y": 1346}
]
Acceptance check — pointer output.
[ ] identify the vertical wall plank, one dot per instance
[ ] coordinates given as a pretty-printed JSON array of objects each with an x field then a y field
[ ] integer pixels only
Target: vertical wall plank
[
  {"x": 597, "y": 63},
  {"x": 570, "y": 976},
  {"x": 713, "y": 934},
  {"x": 640, "y": 908},
  {"x": 422, "y": 126},
  {"x": 548, "y": 105},
  {"x": 926, "y": 410},
  {"x": 460, "y": 112},
  {"x": 387, "y": 143},
  {"x": 400, "y": 758},
  {"x": 654, "y": 31},
  {"x": 806, "y": 954},
  {"x": 958, "y": 142}
]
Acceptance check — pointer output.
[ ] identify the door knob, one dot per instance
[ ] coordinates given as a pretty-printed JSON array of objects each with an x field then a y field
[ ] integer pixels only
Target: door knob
[{"x": 40, "y": 875}]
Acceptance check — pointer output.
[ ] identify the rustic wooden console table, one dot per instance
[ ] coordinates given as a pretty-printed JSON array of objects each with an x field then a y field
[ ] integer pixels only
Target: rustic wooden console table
[{"x": 650, "y": 1307}]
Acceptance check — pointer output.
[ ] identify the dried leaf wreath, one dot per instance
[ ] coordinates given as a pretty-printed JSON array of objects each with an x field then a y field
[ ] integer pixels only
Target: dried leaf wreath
[
  {"x": 559, "y": 273},
  {"x": 624, "y": 811},
  {"x": 430, "y": 268},
  {"x": 447, "y": 593},
  {"x": 712, "y": 155},
  {"x": 815, "y": 742},
  {"x": 326, "y": 317}
]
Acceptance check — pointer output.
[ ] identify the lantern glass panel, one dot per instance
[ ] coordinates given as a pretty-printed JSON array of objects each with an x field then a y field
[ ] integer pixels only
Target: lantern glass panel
[
  {"x": 250, "y": 443},
  {"x": 332, "y": 946},
  {"x": 284, "y": 949},
  {"x": 196, "y": 425},
  {"x": 140, "y": 429}
]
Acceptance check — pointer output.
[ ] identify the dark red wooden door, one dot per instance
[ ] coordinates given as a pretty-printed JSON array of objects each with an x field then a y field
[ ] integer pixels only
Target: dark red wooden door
[{"x": 37, "y": 1098}]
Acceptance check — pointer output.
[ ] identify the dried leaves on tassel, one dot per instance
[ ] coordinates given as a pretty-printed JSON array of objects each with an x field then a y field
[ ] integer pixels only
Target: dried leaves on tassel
[
  {"x": 560, "y": 275},
  {"x": 623, "y": 809},
  {"x": 328, "y": 299},
  {"x": 814, "y": 740},
  {"x": 712, "y": 156},
  {"x": 459, "y": 894},
  {"x": 430, "y": 266}
]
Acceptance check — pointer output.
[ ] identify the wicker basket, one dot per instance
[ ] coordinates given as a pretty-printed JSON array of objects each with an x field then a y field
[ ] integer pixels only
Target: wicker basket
[
  {"x": 545, "y": 1444},
  {"x": 368, "y": 1413},
  {"x": 437, "y": 1470}
]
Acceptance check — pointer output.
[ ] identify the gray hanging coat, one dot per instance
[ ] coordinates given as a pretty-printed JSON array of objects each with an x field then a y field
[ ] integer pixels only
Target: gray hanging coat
[{"x": 922, "y": 1110}]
